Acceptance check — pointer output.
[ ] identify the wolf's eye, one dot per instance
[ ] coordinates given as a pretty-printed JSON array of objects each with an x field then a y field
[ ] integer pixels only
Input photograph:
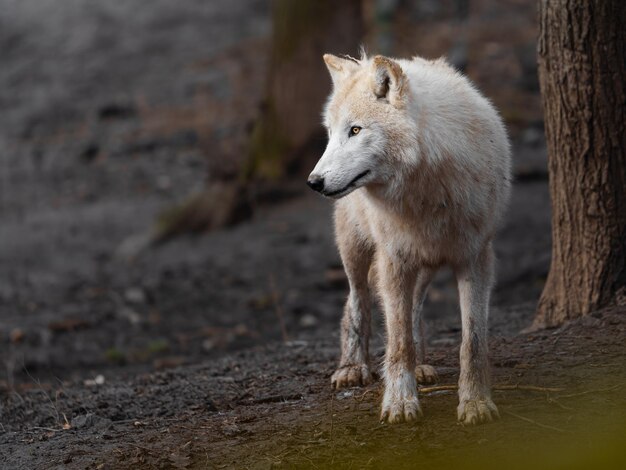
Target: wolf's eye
[{"x": 354, "y": 131}]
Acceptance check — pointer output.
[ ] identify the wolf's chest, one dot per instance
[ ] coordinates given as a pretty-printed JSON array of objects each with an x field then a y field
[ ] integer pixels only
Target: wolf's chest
[{"x": 434, "y": 236}]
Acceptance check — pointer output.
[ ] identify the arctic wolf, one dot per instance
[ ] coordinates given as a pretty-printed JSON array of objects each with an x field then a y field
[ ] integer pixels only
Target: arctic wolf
[{"x": 419, "y": 162}]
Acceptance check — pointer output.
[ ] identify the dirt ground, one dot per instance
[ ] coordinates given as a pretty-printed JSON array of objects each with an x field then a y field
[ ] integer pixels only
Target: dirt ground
[
  {"x": 272, "y": 407},
  {"x": 216, "y": 351}
]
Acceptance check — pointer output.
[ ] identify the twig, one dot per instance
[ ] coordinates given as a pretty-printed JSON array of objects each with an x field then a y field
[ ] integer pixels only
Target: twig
[
  {"x": 275, "y": 399},
  {"x": 586, "y": 392},
  {"x": 438, "y": 388},
  {"x": 362, "y": 396},
  {"x": 180, "y": 426},
  {"x": 151, "y": 451},
  {"x": 526, "y": 388},
  {"x": 278, "y": 309},
  {"x": 560, "y": 405},
  {"x": 301, "y": 452},
  {"x": 546, "y": 426},
  {"x": 48, "y": 429},
  {"x": 41, "y": 389},
  {"x": 16, "y": 394}
]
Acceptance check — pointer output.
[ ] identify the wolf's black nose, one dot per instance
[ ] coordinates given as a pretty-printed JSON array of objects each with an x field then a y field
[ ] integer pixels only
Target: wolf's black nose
[{"x": 316, "y": 183}]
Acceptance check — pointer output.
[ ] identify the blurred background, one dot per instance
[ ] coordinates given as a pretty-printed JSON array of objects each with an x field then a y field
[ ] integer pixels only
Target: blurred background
[{"x": 153, "y": 158}]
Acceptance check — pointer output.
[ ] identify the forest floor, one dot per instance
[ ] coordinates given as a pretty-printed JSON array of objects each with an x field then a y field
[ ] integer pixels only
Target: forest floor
[{"x": 272, "y": 407}]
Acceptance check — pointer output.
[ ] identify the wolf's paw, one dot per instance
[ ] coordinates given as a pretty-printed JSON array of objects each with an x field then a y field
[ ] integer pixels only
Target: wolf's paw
[
  {"x": 426, "y": 374},
  {"x": 477, "y": 411},
  {"x": 400, "y": 403},
  {"x": 351, "y": 376},
  {"x": 398, "y": 410}
]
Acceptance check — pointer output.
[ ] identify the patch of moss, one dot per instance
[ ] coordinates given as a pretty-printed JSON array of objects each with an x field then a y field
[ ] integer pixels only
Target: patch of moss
[
  {"x": 267, "y": 148},
  {"x": 158, "y": 346},
  {"x": 115, "y": 356}
]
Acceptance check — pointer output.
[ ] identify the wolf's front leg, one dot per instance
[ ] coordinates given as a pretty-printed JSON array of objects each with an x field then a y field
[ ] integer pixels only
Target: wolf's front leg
[
  {"x": 475, "y": 281},
  {"x": 356, "y": 254},
  {"x": 397, "y": 280},
  {"x": 354, "y": 367}
]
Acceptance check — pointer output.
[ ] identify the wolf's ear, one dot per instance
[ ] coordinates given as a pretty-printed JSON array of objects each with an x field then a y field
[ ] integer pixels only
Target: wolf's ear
[
  {"x": 388, "y": 80},
  {"x": 339, "y": 67}
]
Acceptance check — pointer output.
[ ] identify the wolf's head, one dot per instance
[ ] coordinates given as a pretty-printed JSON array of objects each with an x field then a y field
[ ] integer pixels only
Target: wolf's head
[{"x": 370, "y": 133}]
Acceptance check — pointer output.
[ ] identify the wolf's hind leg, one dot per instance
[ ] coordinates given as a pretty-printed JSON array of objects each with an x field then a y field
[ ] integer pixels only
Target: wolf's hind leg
[
  {"x": 475, "y": 280},
  {"x": 356, "y": 254},
  {"x": 424, "y": 373}
]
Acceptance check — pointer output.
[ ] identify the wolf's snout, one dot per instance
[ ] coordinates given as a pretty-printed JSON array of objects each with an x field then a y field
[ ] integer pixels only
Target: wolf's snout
[{"x": 316, "y": 183}]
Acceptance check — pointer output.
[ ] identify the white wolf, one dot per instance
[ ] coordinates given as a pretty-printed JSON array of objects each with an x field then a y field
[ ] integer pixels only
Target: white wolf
[{"x": 431, "y": 157}]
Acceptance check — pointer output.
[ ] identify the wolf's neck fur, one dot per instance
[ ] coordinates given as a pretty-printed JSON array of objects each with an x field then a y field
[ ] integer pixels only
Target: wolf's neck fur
[{"x": 428, "y": 189}]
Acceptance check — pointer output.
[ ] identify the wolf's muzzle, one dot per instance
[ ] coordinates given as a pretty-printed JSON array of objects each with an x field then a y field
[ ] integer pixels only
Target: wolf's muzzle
[
  {"x": 316, "y": 183},
  {"x": 348, "y": 186}
]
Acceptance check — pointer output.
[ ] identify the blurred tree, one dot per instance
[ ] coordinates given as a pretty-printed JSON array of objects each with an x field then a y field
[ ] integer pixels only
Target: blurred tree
[
  {"x": 583, "y": 85},
  {"x": 289, "y": 124},
  {"x": 287, "y": 136}
]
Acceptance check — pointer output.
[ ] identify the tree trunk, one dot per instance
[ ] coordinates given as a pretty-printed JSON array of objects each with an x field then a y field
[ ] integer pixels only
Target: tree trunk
[
  {"x": 298, "y": 82},
  {"x": 581, "y": 71}
]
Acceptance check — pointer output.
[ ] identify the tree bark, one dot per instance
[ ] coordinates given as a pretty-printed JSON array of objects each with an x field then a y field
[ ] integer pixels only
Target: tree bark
[{"x": 583, "y": 84}]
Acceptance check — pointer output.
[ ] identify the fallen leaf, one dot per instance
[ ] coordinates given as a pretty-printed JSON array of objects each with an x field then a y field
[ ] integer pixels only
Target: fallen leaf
[{"x": 68, "y": 324}]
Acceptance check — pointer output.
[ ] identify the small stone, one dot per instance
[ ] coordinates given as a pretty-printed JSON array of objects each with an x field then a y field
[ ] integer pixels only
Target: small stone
[
  {"x": 130, "y": 315},
  {"x": 90, "y": 420},
  {"x": 308, "y": 321},
  {"x": 135, "y": 295},
  {"x": 133, "y": 246},
  {"x": 345, "y": 394},
  {"x": 231, "y": 429},
  {"x": 97, "y": 380},
  {"x": 241, "y": 330},
  {"x": 168, "y": 362},
  {"x": 164, "y": 183},
  {"x": 16, "y": 335}
]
